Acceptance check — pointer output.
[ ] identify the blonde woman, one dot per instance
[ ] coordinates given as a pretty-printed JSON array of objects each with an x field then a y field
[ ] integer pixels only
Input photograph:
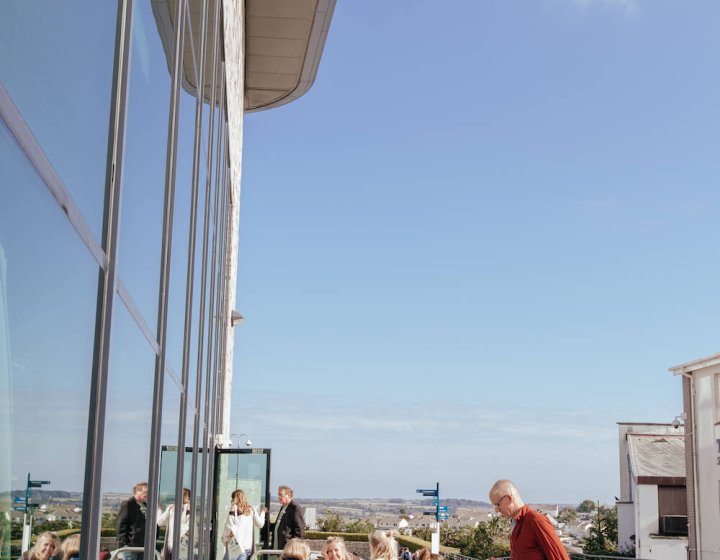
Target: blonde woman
[
  {"x": 382, "y": 546},
  {"x": 334, "y": 549},
  {"x": 71, "y": 547},
  {"x": 167, "y": 519},
  {"x": 46, "y": 546},
  {"x": 295, "y": 549},
  {"x": 239, "y": 533}
]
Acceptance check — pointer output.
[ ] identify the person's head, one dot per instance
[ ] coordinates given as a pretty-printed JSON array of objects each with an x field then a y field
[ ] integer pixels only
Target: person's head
[
  {"x": 186, "y": 495},
  {"x": 46, "y": 545},
  {"x": 334, "y": 549},
  {"x": 382, "y": 545},
  {"x": 140, "y": 491},
  {"x": 423, "y": 554},
  {"x": 71, "y": 546},
  {"x": 505, "y": 497},
  {"x": 285, "y": 495},
  {"x": 295, "y": 549},
  {"x": 240, "y": 503}
]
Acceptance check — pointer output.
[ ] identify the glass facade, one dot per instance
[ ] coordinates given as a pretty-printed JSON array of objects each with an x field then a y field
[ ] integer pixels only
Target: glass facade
[{"x": 113, "y": 215}]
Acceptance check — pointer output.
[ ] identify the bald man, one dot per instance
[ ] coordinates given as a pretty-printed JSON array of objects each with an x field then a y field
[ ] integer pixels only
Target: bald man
[{"x": 533, "y": 537}]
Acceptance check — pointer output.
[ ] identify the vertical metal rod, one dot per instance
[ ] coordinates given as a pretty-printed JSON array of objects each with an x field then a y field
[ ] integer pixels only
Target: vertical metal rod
[
  {"x": 217, "y": 249},
  {"x": 222, "y": 289},
  {"x": 199, "y": 102},
  {"x": 92, "y": 498},
  {"x": 211, "y": 400},
  {"x": 164, "y": 288},
  {"x": 204, "y": 532}
]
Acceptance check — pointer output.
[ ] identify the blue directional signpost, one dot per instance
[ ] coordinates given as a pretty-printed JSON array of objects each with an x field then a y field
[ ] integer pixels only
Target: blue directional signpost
[
  {"x": 440, "y": 513},
  {"x": 23, "y": 503}
]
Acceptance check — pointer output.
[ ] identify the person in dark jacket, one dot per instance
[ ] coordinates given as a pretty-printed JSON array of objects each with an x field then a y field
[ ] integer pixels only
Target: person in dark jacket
[
  {"x": 290, "y": 521},
  {"x": 131, "y": 521}
]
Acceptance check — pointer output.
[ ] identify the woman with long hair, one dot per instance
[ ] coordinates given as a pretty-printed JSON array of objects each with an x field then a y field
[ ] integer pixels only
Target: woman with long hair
[
  {"x": 239, "y": 533},
  {"x": 295, "y": 549},
  {"x": 71, "y": 547},
  {"x": 382, "y": 546},
  {"x": 167, "y": 519},
  {"x": 46, "y": 546},
  {"x": 335, "y": 549}
]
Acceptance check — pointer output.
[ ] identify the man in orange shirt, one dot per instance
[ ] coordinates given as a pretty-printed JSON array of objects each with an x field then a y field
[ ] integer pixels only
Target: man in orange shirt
[{"x": 533, "y": 537}]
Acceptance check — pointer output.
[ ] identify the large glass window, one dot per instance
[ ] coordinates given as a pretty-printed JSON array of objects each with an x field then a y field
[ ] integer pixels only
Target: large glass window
[
  {"x": 48, "y": 298},
  {"x": 56, "y": 62},
  {"x": 144, "y": 163}
]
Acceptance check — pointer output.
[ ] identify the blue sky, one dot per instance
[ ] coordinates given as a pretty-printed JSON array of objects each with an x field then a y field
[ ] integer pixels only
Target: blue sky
[{"x": 477, "y": 243}]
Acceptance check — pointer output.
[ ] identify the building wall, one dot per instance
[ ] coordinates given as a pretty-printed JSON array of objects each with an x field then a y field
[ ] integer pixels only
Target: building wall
[
  {"x": 628, "y": 504},
  {"x": 707, "y": 464},
  {"x": 115, "y": 324},
  {"x": 646, "y": 519},
  {"x": 649, "y": 544}
]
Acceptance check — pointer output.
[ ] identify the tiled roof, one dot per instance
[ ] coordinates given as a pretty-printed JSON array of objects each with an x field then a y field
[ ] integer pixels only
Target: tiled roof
[{"x": 656, "y": 455}]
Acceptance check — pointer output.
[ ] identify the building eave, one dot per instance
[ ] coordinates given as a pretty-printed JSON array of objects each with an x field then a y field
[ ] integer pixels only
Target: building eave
[
  {"x": 284, "y": 41},
  {"x": 695, "y": 365}
]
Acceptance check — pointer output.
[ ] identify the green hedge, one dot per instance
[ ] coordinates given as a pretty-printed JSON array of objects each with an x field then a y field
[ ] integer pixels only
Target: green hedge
[{"x": 413, "y": 543}]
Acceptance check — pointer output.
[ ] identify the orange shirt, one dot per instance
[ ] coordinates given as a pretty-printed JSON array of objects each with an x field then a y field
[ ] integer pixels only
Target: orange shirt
[{"x": 534, "y": 538}]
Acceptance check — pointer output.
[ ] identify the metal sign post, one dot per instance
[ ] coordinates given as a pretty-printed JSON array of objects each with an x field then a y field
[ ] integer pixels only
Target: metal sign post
[{"x": 28, "y": 508}]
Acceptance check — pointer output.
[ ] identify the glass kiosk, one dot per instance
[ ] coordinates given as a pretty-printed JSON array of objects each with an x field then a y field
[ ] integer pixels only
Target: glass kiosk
[{"x": 246, "y": 469}]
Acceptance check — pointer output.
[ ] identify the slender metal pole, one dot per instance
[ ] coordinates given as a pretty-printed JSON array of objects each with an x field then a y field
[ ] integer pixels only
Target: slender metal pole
[
  {"x": 204, "y": 526},
  {"x": 164, "y": 288},
  {"x": 199, "y": 101},
  {"x": 92, "y": 498}
]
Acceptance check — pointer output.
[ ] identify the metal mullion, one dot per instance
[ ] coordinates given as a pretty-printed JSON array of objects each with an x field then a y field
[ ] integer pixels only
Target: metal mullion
[
  {"x": 220, "y": 318},
  {"x": 217, "y": 250},
  {"x": 92, "y": 497},
  {"x": 164, "y": 287},
  {"x": 199, "y": 101},
  {"x": 204, "y": 534},
  {"x": 223, "y": 319},
  {"x": 210, "y": 393}
]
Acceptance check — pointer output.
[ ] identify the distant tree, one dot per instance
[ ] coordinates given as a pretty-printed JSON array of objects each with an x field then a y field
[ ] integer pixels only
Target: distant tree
[
  {"x": 567, "y": 515},
  {"x": 586, "y": 506},
  {"x": 402, "y": 511},
  {"x": 331, "y": 522},
  {"x": 489, "y": 539},
  {"x": 456, "y": 537},
  {"x": 602, "y": 537},
  {"x": 422, "y": 533},
  {"x": 362, "y": 526}
]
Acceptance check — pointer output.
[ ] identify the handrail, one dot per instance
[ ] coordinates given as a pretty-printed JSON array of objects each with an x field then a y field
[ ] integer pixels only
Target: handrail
[{"x": 114, "y": 554}]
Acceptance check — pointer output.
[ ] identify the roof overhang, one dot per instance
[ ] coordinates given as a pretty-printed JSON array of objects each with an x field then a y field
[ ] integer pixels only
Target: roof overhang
[
  {"x": 690, "y": 367},
  {"x": 284, "y": 41}
]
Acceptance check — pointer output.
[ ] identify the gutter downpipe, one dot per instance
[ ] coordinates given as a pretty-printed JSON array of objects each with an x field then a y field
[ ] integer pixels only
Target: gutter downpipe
[{"x": 691, "y": 475}]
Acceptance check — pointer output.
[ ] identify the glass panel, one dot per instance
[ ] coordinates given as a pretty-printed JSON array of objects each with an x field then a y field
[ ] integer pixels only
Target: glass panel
[
  {"x": 168, "y": 464},
  {"x": 56, "y": 62},
  {"x": 128, "y": 416},
  {"x": 48, "y": 297},
  {"x": 243, "y": 469},
  {"x": 144, "y": 164}
]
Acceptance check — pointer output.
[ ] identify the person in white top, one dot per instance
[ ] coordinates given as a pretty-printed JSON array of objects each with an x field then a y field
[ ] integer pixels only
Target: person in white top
[
  {"x": 167, "y": 519},
  {"x": 239, "y": 533}
]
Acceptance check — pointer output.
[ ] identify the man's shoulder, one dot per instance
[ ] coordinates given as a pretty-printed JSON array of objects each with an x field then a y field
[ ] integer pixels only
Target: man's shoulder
[{"x": 537, "y": 516}]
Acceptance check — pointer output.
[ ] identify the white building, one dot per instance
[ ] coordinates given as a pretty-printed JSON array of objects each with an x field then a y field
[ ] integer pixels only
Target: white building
[
  {"x": 701, "y": 403},
  {"x": 652, "y": 513}
]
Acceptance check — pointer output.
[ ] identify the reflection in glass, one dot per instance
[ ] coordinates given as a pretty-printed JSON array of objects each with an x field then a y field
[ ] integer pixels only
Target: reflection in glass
[
  {"x": 144, "y": 165},
  {"x": 56, "y": 62},
  {"x": 48, "y": 292}
]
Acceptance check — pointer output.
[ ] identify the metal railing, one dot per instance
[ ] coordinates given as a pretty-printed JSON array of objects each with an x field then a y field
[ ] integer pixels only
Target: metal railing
[{"x": 116, "y": 553}]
